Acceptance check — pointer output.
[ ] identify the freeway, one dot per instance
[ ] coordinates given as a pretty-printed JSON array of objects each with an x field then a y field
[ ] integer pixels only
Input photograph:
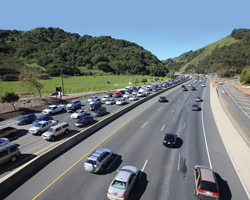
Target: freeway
[
  {"x": 136, "y": 138},
  {"x": 32, "y": 146}
]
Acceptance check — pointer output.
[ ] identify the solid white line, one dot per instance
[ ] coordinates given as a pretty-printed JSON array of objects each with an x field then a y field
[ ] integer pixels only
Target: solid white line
[
  {"x": 112, "y": 162},
  {"x": 179, "y": 162},
  {"x": 245, "y": 107},
  {"x": 143, "y": 167},
  {"x": 236, "y": 103},
  {"x": 144, "y": 124},
  {"x": 172, "y": 110},
  {"x": 241, "y": 100},
  {"x": 183, "y": 125},
  {"x": 162, "y": 127},
  {"x": 179, "y": 101},
  {"x": 244, "y": 103},
  {"x": 204, "y": 133},
  {"x": 159, "y": 109}
]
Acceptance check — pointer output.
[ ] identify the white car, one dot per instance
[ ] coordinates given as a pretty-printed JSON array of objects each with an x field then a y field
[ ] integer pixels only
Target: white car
[
  {"x": 110, "y": 101},
  {"x": 79, "y": 113},
  {"x": 202, "y": 85},
  {"x": 127, "y": 95},
  {"x": 134, "y": 93},
  {"x": 92, "y": 98},
  {"x": 96, "y": 101},
  {"x": 189, "y": 85},
  {"x": 105, "y": 98},
  {"x": 133, "y": 98},
  {"x": 75, "y": 102},
  {"x": 121, "y": 101},
  {"x": 123, "y": 183}
]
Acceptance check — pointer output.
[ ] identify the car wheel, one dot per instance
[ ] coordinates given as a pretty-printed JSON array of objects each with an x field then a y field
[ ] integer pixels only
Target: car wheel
[
  {"x": 13, "y": 158},
  {"x": 52, "y": 138},
  {"x": 24, "y": 123},
  {"x": 66, "y": 131},
  {"x": 101, "y": 169},
  {"x": 39, "y": 133}
]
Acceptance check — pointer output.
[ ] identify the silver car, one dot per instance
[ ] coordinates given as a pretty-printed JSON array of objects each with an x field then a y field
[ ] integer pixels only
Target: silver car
[
  {"x": 123, "y": 183},
  {"x": 110, "y": 101}
]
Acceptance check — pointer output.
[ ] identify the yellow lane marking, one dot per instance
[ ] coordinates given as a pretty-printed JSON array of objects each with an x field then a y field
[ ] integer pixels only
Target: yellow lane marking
[
  {"x": 94, "y": 148},
  {"x": 233, "y": 118}
]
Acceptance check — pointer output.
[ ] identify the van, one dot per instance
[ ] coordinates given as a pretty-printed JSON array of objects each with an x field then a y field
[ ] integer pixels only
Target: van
[
  {"x": 9, "y": 153},
  {"x": 55, "y": 131}
]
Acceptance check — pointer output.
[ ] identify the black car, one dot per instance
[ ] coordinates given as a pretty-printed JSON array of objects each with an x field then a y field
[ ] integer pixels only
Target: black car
[
  {"x": 99, "y": 112},
  {"x": 170, "y": 140},
  {"x": 122, "y": 91},
  {"x": 162, "y": 99},
  {"x": 73, "y": 108},
  {"x": 85, "y": 120},
  {"x": 95, "y": 106},
  {"x": 182, "y": 86},
  {"x": 195, "y": 107},
  {"x": 193, "y": 89},
  {"x": 26, "y": 119}
]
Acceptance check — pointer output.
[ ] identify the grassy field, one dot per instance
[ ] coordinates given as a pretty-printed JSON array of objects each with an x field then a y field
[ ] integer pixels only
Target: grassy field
[{"x": 77, "y": 84}]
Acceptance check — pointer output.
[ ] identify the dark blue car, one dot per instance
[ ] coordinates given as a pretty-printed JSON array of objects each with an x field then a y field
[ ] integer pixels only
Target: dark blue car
[
  {"x": 73, "y": 108},
  {"x": 42, "y": 118},
  {"x": 26, "y": 119}
]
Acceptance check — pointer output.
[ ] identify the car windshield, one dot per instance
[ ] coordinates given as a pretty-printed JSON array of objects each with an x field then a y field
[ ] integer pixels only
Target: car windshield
[
  {"x": 78, "y": 111},
  {"x": 169, "y": 137},
  {"x": 119, "y": 184},
  {"x": 206, "y": 185},
  {"x": 38, "y": 125},
  {"x": 40, "y": 118},
  {"x": 51, "y": 130},
  {"x": 197, "y": 97},
  {"x": 82, "y": 119},
  {"x": 195, "y": 106},
  {"x": 50, "y": 108},
  {"x": 23, "y": 118}
]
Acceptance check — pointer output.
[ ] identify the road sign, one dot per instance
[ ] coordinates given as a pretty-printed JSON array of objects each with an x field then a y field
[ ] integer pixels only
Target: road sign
[{"x": 212, "y": 74}]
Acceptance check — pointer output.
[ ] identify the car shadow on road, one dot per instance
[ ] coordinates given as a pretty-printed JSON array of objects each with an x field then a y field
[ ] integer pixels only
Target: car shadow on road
[
  {"x": 179, "y": 143},
  {"x": 139, "y": 187},
  {"x": 225, "y": 192},
  {"x": 112, "y": 165},
  {"x": 18, "y": 134}
]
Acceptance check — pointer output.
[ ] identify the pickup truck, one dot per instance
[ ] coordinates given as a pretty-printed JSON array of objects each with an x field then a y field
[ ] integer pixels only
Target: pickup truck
[
  {"x": 42, "y": 126},
  {"x": 54, "y": 109},
  {"x": 8, "y": 131}
]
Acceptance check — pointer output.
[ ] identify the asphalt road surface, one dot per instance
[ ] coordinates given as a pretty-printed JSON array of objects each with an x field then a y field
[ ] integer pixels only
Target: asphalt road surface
[{"x": 136, "y": 139}]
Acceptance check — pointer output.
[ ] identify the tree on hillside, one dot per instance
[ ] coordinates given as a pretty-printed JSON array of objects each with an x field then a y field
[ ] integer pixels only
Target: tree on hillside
[
  {"x": 29, "y": 79},
  {"x": 9, "y": 97},
  {"x": 144, "y": 80}
]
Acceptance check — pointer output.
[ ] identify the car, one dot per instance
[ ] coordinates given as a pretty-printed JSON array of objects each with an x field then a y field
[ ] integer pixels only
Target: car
[
  {"x": 26, "y": 119},
  {"x": 105, "y": 98},
  {"x": 190, "y": 85},
  {"x": 85, "y": 120},
  {"x": 162, "y": 99},
  {"x": 4, "y": 141},
  {"x": 127, "y": 95},
  {"x": 74, "y": 108},
  {"x": 123, "y": 183},
  {"x": 95, "y": 101},
  {"x": 122, "y": 91},
  {"x": 109, "y": 94},
  {"x": 99, "y": 112},
  {"x": 79, "y": 113},
  {"x": 155, "y": 89},
  {"x": 170, "y": 140},
  {"x": 92, "y": 98},
  {"x": 98, "y": 159},
  {"x": 193, "y": 88},
  {"x": 198, "y": 99},
  {"x": 195, "y": 107},
  {"x": 205, "y": 183},
  {"x": 95, "y": 106},
  {"x": 42, "y": 126},
  {"x": 121, "y": 101},
  {"x": 110, "y": 101},
  {"x": 117, "y": 94},
  {"x": 54, "y": 93},
  {"x": 75, "y": 102},
  {"x": 42, "y": 118},
  {"x": 53, "y": 109},
  {"x": 182, "y": 86},
  {"x": 200, "y": 81},
  {"x": 202, "y": 85},
  {"x": 220, "y": 83},
  {"x": 184, "y": 89},
  {"x": 133, "y": 98}
]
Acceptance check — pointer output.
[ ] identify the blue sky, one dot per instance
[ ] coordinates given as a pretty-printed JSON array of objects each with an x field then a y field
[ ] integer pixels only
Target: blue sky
[{"x": 165, "y": 28}]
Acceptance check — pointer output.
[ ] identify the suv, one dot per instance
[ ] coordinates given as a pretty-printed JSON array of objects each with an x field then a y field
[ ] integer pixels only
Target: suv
[
  {"x": 205, "y": 183},
  {"x": 8, "y": 153},
  {"x": 26, "y": 119},
  {"x": 56, "y": 130},
  {"x": 95, "y": 106},
  {"x": 99, "y": 112},
  {"x": 98, "y": 159}
]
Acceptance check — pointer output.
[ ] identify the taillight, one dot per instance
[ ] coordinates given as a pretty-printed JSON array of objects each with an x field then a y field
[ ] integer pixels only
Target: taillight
[
  {"x": 164, "y": 141},
  {"x": 200, "y": 190},
  {"x": 173, "y": 142},
  {"x": 108, "y": 192},
  {"x": 123, "y": 196},
  {"x": 97, "y": 165},
  {"x": 215, "y": 193}
]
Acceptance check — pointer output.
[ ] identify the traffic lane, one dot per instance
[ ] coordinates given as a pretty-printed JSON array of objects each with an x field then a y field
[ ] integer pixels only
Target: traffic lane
[
  {"x": 240, "y": 117},
  {"x": 229, "y": 182},
  {"x": 98, "y": 138}
]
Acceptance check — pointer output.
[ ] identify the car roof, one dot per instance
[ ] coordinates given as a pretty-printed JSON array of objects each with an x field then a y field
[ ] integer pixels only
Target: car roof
[
  {"x": 195, "y": 105},
  {"x": 207, "y": 175},
  {"x": 123, "y": 176}
]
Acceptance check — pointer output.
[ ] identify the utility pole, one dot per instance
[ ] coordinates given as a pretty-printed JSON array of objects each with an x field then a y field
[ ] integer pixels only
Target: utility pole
[{"x": 62, "y": 81}]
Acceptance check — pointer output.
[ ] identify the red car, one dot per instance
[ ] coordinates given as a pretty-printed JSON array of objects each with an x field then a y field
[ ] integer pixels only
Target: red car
[{"x": 117, "y": 94}]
